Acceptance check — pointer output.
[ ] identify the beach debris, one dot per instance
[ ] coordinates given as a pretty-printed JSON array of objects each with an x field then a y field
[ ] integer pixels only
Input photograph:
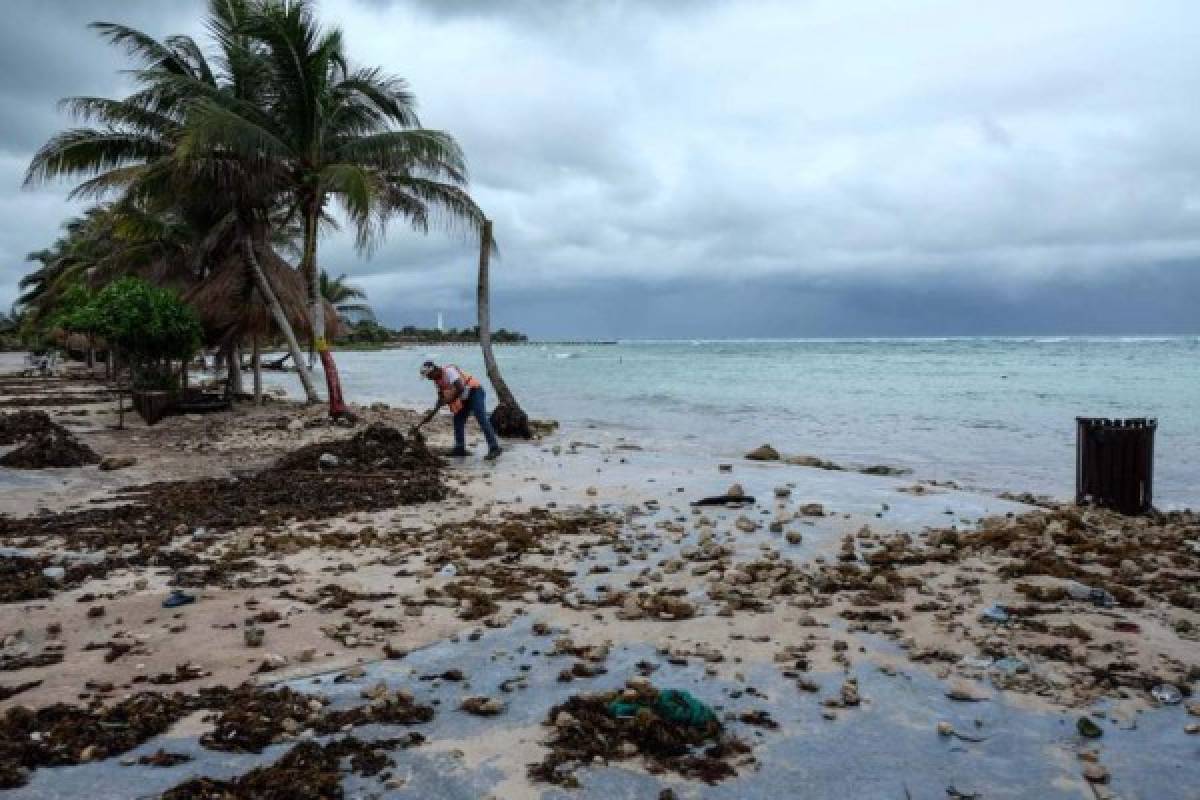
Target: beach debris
[
  {"x": 763, "y": 453},
  {"x": 812, "y": 510},
  {"x": 1166, "y": 694},
  {"x": 162, "y": 758},
  {"x": 885, "y": 470},
  {"x": 1088, "y": 728},
  {"x": 724, "y": 500},
  {"x": 1009, "y": 666},
  {"x": 253, "y": 636},
  {"x": 995, "y": 613},
  {"x": 178, "y": 598},
  {"x": 1095, "y": 773},
  {"x": 1096, "y": 596}
]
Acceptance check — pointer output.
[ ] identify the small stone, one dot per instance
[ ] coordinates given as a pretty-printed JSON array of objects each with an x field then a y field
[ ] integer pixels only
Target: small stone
[
  {"x": 793, "y": 537},
  {"x": 735, "y": 490},
  {"x": 89, "y": 753},
  {"x": 1095, "y": 773},
  {"x": 253, "y": 636},
  {"x": 327, "y": 461},
  {"x": 964, "y": 692},
  {"x": 745, "y": 524},
  {"x": 763, "y": 453},
  {"x": 812, "y": 510},
  {"x": 945, "y": 729},
  {"x": 482, "y": 706},
  {"x": 275, "y": 661}
]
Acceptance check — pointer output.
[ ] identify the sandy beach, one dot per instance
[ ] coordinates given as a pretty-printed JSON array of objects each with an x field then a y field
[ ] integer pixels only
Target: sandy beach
[{"x": 832, "y": 608}]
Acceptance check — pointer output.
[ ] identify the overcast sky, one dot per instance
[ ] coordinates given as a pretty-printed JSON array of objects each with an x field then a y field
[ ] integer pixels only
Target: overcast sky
[{"x": 740, "y": 168}]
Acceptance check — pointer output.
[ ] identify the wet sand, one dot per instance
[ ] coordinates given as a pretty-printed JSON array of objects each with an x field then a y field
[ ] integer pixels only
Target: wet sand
[{"x": 593, "y": 551}]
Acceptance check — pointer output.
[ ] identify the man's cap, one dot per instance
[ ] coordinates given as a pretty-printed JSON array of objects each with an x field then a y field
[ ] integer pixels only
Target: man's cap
[{"x": 427, "y": 369}]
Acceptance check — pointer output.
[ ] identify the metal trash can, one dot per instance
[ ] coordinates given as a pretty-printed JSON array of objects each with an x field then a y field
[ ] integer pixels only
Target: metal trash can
[{"x": 1114, "y": 463}]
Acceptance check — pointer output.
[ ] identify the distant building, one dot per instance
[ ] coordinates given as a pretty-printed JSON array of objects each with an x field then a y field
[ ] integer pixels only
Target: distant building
[{"x": 441, "y": 328}]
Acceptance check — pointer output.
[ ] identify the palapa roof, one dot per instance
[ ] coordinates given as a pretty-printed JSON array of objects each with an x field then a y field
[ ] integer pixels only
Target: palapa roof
[{"x": 229, "y": 304}]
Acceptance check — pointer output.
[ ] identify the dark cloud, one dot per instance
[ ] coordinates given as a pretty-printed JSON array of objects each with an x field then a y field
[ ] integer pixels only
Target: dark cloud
[{"x": 755, "y": 168}]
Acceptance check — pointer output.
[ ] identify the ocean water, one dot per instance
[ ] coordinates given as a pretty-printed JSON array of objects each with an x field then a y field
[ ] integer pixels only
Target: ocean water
[{"x": 990, "y": 413}]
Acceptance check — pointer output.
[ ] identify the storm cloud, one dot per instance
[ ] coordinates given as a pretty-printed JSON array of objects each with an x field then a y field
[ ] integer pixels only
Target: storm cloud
[{"x": 721, "y": 168}]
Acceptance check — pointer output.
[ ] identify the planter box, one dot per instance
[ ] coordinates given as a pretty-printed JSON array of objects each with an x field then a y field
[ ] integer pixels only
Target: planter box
[{"x": 153, "y": 406}]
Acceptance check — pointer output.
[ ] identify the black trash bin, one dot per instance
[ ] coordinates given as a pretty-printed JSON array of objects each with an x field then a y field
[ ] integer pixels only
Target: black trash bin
[{"x": 1115, "y": 463}]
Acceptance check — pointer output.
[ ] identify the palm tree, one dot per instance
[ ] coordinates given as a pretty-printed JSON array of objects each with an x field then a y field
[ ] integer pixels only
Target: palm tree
[
  {"x": 507, "y": 417},
  {"x": 144, "y": 147},
  {"x": 336, "y": 132},
  {"x": 342, "y": 296}
]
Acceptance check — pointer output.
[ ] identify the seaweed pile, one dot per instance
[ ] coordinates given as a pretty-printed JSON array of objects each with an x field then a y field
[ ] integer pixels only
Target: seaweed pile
[
  {"x": 17, "y": 426},
  {"x": 586, "y": 733},
  {"x": 377, "y": 447},
  {"x": 45, "y": 443},
  {"x": 309, "y": 771},
  {"x": 249, "y": 719},
  {"x": 254, "y": 718},
  {"x": 292, "y": 490},
  {"x": 22, "y": 577},
  {"x": 63, "y": 734}
]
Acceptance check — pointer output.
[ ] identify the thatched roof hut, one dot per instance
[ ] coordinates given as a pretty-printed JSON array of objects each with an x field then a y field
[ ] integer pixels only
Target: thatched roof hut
[{"x": 229, "y": 304}]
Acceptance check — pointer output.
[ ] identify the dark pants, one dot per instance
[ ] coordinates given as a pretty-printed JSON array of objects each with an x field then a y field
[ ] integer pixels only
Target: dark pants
[{"x": 475, "y": 404}]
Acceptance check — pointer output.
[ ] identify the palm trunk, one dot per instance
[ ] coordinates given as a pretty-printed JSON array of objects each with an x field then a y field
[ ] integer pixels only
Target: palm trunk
[
  {"x": 236, "y": 387},
  {"x": 257, "y": 356},
  {"x": 281, "y": 320},
  {"x": 508, "y": 419},
  {"x": 333, "y": 384}
]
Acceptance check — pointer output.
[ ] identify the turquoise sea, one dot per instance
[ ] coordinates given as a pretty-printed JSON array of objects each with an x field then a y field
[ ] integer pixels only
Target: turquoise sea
[{"x": 990, "y": 413}]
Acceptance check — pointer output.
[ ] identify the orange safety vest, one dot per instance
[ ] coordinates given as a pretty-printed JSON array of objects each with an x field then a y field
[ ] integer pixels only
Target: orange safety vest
[{"x": 446, "y": 388}]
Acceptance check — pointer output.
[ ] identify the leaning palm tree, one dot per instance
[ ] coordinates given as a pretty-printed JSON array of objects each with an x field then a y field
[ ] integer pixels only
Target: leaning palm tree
[
  {"x": 343, "y": 297},
  {"x": 140, "y": 147},
  {"x": 507, "y": 418},
  {"x": 351, "y": 135}
]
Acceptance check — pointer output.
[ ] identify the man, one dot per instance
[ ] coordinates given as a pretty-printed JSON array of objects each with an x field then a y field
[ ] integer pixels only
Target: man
[{"x": 465, "y": 397}]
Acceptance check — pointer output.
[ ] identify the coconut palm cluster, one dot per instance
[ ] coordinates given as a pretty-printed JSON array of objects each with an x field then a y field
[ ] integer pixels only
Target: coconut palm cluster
[{"x": 218, "y": 174}]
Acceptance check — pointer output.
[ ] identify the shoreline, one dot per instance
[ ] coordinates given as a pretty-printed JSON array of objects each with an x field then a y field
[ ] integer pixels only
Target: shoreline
[{"x": 873, "y": 588}]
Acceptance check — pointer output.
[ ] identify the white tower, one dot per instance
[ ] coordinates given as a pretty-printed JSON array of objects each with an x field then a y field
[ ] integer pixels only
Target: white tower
[{"x": 441, "y": 328}]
